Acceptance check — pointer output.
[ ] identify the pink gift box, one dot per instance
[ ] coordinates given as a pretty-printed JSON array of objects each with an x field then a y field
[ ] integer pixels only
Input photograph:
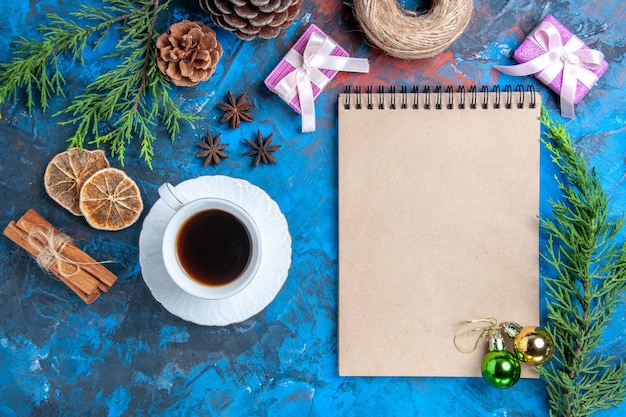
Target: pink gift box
[
  {"x": 284, "y": 68},
  {"x": 529, "y": 50}
]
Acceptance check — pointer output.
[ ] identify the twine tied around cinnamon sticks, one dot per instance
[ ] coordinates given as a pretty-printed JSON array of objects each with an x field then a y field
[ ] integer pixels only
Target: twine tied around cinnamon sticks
[
  {"x": 409, "y": 35},
  {"x": 51, "y": 251},
  {"x": 56, "y": 253}
]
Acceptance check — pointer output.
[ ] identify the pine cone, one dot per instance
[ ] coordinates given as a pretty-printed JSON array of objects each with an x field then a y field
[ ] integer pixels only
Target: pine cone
[
  {"x": 188, "y": 53},
  {"x": 251, "y": 18}
]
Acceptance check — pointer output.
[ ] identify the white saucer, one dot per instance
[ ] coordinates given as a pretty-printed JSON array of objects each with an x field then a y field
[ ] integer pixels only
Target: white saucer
[{"x": 272, "y": 273}]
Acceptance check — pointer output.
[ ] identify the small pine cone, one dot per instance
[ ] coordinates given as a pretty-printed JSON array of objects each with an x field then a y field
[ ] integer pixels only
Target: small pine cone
[
  {"x": 188, "y": 53},
  {"x": 251, "y": 18}
]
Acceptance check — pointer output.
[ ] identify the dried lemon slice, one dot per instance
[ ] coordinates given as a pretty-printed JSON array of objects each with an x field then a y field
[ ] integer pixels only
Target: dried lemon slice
[
  {"x": 110, "y": 200},
  {"x": 66, "y": 173}
]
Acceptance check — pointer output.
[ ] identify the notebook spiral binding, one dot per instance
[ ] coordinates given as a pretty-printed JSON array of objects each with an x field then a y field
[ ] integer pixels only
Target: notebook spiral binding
[{"x": 440, "y": 98}]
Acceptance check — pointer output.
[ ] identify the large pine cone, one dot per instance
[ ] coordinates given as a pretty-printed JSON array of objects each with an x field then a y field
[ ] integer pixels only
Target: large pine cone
[
  {"x": 251, "y": 18},
  {"x": 188, "y": 53}
]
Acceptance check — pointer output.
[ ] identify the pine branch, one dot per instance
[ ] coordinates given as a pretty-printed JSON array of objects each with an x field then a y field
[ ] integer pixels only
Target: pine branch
[
  {"x": 128, "y": 96},
  {"x": 588, "y": 281},
  {"x": 121, "y": 105},
  {"x": 35, "y": 64}
]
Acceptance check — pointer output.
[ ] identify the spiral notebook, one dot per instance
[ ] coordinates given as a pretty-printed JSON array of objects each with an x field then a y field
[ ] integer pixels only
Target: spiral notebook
[{"x": 438, "y": 223}]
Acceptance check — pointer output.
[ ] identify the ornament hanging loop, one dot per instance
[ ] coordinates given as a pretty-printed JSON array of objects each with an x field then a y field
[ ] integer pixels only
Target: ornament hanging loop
[{"x": 490, "y": 326}]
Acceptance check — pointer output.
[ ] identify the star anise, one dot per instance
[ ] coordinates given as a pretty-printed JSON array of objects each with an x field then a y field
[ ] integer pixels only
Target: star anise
[
  {"x": 262, "y": 150},
  {"x": 236, "y": 110},
  {"x": 213, "y": 150}
]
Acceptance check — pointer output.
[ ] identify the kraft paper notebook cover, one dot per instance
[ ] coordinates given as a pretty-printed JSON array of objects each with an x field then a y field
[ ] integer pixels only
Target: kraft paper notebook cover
[{"x": 438, "y": 223}]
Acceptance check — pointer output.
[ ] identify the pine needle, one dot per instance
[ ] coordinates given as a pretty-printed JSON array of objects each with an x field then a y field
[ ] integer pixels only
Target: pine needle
[
  {"x": 124, "y": 104},
  {"x": 587, "y": 280}
]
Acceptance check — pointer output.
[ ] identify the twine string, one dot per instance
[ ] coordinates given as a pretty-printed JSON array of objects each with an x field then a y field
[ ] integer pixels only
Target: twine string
[
  {"x": 51, "y": 246},
  {"x": 408, "y": 35}
]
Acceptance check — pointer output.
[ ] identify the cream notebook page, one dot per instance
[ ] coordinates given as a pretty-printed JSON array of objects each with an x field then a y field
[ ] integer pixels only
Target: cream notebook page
[{"x": 437, "y": 224}]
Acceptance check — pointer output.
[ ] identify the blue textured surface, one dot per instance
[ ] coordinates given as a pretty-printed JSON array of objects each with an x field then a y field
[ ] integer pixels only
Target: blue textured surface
[{"x": 126, "y": 355}]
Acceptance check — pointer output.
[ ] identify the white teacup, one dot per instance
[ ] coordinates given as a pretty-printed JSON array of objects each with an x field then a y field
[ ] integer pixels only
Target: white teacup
[{"x": 211, "y": 246}]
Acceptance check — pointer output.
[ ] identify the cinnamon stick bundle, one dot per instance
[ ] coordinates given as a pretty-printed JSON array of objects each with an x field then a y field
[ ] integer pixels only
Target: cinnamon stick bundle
[{"x": 79, "y": 271}]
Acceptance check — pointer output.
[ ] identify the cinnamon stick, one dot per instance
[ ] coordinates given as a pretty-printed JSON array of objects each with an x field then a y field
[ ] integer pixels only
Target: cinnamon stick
[
  {"x": 106, "y": 278},
  {"x": 82, "y": 274}
]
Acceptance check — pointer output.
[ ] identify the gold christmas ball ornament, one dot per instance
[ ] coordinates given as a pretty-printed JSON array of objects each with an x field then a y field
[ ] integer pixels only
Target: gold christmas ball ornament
[{"x": 533, "y": 345}]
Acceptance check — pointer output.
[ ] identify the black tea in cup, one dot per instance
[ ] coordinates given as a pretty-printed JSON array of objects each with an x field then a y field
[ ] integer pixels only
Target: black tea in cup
[{"x": 213, "y": 247}]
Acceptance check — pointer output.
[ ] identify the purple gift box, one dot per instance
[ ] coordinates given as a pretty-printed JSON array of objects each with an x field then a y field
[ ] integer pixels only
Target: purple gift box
[
  {"x": 284, "y": 68},
  {"x": 529, "y": 49}
]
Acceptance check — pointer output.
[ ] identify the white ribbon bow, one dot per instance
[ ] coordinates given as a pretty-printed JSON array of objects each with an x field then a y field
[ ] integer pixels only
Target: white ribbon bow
[
  {"x": 575, "y": 62},
  {"x": 307, "y": 66}
]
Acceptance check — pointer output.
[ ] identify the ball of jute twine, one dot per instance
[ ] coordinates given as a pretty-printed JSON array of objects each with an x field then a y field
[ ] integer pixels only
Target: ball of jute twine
[{"x": 405, "y": 34}]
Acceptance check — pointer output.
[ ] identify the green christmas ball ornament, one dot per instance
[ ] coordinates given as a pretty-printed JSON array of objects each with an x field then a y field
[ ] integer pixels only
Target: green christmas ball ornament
[{"x": 500, "y": 368}]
